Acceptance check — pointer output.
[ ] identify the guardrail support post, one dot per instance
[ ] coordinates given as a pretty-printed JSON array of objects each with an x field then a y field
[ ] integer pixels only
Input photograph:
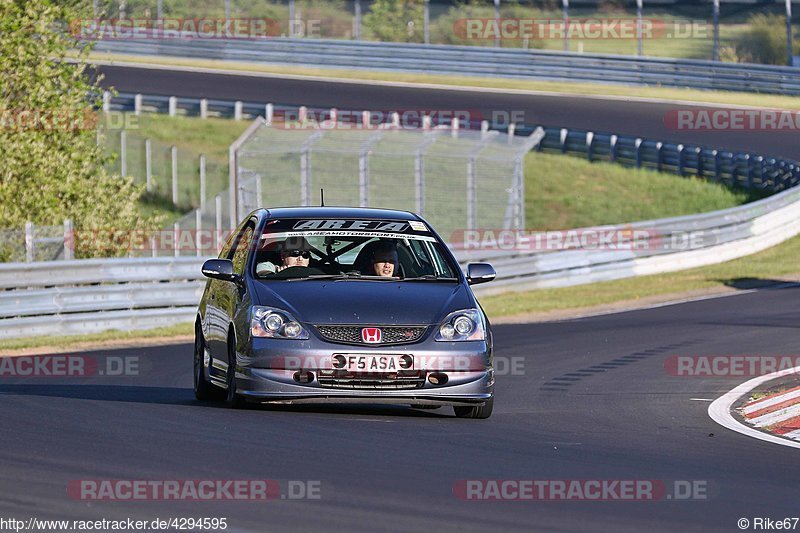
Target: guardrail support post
[
  {"x": 237, "y": 110},
  {"x": 638, "y": 145},
  {"x": 269, "y": 112},
  {"x": 749, "y": 166},
  {"x": 612, "y": 151},
  {"x": 217, "y": 221},
  {"x": 454, "y": 127},
  {"x": 175, "y": 237},
  {"x": 173, "y": 106},
  {"x": 701, "y": 171},
  {"x": 148, "y": 165},
  {"x": 198, "y": 219},
  {"x": 680, "y": 160},
  {"x": 203, "y": 108},
  {"x": 512, "y": 130},
  {"x": 589, "y": 145},
  {"x": 659, "y": 155},
  {"x": 137, "y": 104},
  {"x": 419, "y": 181},
  {"x": 123, "y": 153},
  {"x": 363, "y": 179},
  {"x": 106, "y": 101},
  {"x": 563, "y": 139},
  {"x": 69, "y": 240},
  {"x": 717, "y": 165},
  {"x": 174, "y": 154},
  {"x": 29, "y": 242},
  {"x": 202, "y": 182},
  {"x": 259, "y": 193},
  {"x": 472, "y": 200}
]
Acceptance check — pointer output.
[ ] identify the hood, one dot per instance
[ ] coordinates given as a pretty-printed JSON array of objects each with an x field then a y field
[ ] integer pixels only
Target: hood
[{"x": 365, "y": 302}]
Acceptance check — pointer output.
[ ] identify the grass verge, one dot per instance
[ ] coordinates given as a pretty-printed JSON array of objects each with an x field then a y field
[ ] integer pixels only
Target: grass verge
[
  {"x": 776, "y": 263},
  {"x": 97, "y": 340}
]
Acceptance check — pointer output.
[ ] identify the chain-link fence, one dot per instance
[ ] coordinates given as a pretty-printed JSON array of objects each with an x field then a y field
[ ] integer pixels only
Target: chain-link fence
[
  {"x": 694, "y": 29},
  {"x": 457, "y": 179}
]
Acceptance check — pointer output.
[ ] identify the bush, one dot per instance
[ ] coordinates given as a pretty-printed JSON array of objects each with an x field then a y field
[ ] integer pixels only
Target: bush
[
  {"x": 395, "y": 21},
  {"x": 764, "y": 41},
  {"x": 52, "y": 169}
]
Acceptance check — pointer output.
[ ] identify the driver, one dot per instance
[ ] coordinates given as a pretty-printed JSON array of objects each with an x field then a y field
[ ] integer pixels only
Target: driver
[
  {"x": 294, "y": 252},
  {"x": 384, "y": 262}
]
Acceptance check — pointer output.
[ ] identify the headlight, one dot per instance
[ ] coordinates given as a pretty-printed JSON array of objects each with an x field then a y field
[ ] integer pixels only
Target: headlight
[
  {"x": 275, "y": 323},
  {"x": 464, "y": 325}
]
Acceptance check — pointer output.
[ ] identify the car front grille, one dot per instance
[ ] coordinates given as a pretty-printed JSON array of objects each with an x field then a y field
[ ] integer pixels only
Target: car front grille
[
  {"x": 389, "y": 334},
  {"x": 339, "y": 379}
]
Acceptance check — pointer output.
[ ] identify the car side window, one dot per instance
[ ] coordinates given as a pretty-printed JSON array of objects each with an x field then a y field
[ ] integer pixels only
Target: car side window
[
  {"x": 226, "y": 248},
  {"x": 239, "y": 258}
]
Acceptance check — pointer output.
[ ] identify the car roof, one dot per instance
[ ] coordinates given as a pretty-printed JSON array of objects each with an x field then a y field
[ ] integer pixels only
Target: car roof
[{"x": 340, "y": 212}]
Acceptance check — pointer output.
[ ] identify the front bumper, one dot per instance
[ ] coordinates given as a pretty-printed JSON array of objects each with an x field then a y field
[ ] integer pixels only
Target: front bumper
[{"x": 268, "y": 373}]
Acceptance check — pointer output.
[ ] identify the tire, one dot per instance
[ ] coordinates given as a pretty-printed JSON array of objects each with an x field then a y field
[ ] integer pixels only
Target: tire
[
  {"x": 203, "y": 389},
  {"x": 480, "y": 411},
  {"x": 232, "y": 398}
]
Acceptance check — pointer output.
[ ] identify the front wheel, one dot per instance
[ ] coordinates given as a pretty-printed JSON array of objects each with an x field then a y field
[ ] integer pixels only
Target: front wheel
[
  {"x": 479, "y": 411},
  {"x": 203, "y": 389}
]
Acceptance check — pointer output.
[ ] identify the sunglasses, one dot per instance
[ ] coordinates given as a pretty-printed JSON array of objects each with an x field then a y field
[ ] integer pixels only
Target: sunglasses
[{"x": 299, "y": 253}]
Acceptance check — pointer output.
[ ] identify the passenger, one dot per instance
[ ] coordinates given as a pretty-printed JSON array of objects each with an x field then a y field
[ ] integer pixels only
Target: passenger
[
  {"x": 384, "y": 262},
  {"x": 294, "y": 253}
]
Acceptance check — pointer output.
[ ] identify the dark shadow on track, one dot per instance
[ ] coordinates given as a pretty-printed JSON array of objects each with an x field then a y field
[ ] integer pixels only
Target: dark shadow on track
[
  {"x": 757, "y": 283},
  {"x": 181, "y": 396}
]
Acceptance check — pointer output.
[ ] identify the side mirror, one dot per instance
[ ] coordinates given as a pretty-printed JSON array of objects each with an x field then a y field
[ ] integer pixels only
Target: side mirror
[
  {"x": 219, "y": 269},
  {"x": 480, "y": 273}
]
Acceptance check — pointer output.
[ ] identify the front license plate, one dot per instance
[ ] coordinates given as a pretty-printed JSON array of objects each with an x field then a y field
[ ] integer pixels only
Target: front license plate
[{"x": 373, "y": 363}]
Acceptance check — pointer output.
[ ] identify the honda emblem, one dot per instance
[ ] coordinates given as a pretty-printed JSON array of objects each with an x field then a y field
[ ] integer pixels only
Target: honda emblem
[{"x": 371, "y": 335}]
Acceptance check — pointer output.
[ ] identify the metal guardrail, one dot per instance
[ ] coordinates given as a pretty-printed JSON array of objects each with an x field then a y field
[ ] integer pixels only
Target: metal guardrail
[
  {"x": 479, "y": 61},
  {"x": 97, "y": 295}
]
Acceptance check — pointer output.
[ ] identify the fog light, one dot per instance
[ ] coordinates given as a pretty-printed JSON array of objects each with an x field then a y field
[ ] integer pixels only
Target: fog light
[
  {"x": 438, "y": 378},
  {"x": 304, "y": 376}
]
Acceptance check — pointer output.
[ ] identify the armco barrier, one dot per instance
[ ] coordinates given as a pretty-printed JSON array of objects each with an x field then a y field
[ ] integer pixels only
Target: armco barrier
[
  {"x": 84, "y": 296},
  {"x": 478, "y": 61}
]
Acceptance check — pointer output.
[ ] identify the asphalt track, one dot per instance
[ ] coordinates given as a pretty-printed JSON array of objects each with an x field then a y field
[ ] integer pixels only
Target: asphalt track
[
  {"x": 620, "y": 116},
  {"x": 593, "y": 402}
]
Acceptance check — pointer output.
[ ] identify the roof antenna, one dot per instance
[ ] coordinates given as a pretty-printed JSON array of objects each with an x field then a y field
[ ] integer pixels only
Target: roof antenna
[{"x": 322, "y": 197}]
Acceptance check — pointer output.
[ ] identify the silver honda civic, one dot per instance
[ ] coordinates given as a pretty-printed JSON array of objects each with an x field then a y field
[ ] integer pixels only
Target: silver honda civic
[{"x": 345, "y": 305}]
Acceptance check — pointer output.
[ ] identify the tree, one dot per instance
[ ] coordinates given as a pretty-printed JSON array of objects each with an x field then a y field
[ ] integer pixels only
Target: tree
[
  {"x": 396, "y": 21},
  {"x": 50, "y": 165}
]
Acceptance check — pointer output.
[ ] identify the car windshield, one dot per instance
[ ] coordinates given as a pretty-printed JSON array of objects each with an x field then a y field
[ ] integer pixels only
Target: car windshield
[{"x": 379, "y": 250}]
